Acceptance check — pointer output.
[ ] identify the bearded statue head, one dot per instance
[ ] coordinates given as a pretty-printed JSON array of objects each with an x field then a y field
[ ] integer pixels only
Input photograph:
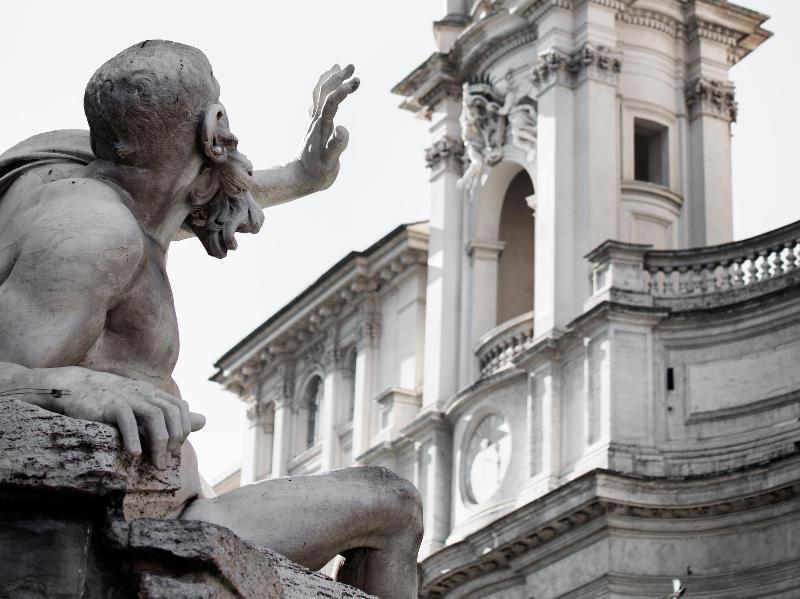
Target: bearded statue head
[{"x": 158, "y": 101}]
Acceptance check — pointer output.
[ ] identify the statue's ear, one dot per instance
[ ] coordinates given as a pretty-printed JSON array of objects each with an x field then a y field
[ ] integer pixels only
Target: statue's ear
[{"x": 212, "y": 128}]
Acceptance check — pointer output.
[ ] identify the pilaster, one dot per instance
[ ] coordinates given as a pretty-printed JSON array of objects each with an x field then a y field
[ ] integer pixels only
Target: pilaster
[
  {"x": 555, "y": 257},
  {"x": 283, "y": 427},
  {"x": 364, "y": 412},
  {"x": 711, "y": 107},
  {"x": 445, "y": 245}
]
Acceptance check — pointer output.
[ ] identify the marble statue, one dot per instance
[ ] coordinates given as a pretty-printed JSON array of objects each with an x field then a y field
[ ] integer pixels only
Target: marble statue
[
  {"x": 87, "y": 319},
  {"x": 493, "y": 115},
  {"x": 483, "y": 131}
]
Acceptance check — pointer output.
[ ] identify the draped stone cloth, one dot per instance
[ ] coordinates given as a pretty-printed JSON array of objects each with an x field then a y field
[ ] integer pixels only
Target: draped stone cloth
[
  {"x": 70, "y": 146},
  {"x": 63, "y": 150}
]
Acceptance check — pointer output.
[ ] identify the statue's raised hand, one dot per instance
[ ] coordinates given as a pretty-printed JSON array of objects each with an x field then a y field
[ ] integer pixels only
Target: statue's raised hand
[
  {"x": 324, "y": 143},
  {"x": 132, "y": 406}
]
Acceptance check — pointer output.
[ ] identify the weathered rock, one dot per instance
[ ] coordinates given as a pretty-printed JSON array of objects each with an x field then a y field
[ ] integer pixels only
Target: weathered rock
[
  {"x": 41, "y": 450},
  {"x": 71, "y": 525}
]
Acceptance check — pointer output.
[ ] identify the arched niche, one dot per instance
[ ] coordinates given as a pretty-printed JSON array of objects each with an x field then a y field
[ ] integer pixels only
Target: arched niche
[
  {"x": 501, "y": 246},
  {"x": 515, "y": 267}
]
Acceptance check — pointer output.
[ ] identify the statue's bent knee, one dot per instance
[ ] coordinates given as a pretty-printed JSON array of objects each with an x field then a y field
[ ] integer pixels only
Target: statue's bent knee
[{"x": 401, "y": 502}]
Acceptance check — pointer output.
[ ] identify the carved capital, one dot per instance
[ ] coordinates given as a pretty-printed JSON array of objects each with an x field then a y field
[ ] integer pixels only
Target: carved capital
[
  {"x": 370, "y": 322},
  {"x": 596, "y": 62},
  {"x": 709, "y": 97},
  {"x": 446, "y": 154},
  {"x": 256, "y": 414},
  {"x": 589, "y": 62},
  {"x": 551, "y": 68}
]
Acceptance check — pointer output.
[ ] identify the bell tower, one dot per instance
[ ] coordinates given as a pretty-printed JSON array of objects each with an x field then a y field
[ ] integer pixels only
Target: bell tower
[{"x": 617, "y": 115}]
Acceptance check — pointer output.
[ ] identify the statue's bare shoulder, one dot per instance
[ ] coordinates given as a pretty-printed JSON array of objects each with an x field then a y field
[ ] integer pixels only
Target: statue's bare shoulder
[
  {"x": 81, "y": 218},
  {"x": 75, "y": 248}
]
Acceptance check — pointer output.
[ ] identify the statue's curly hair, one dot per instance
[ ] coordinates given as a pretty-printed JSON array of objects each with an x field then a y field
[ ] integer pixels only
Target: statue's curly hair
[
  {"x": 145, "y": 99},
  {"x": 148, "y": 100}
]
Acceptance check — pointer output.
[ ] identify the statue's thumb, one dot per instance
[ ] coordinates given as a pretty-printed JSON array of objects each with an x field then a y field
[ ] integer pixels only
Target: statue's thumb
[{"x": 197, "y": 421}]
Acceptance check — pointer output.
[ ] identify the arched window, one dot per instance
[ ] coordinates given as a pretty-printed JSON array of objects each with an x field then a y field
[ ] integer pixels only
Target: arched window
[
  {"x": 312, "y": 403},
  {"x": 515, "y": 268}
]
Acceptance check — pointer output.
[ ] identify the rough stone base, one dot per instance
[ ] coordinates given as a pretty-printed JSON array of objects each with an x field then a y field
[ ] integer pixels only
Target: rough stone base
[{"x": 79, "y": 518}]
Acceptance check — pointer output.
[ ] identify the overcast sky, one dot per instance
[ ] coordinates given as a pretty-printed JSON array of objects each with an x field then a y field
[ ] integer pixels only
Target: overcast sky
[{"x": 267, "y": 56}]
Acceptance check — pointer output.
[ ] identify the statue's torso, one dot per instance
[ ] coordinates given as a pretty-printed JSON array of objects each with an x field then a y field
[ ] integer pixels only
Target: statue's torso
[{"x": 139, "y": 338}]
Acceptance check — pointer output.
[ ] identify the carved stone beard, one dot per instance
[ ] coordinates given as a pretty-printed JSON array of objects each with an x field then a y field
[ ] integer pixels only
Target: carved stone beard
[{"x": 223, "y": 205}]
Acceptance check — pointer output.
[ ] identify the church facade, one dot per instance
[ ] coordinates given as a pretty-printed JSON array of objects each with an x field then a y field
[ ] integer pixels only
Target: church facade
[{"x": 593, "y": 387}]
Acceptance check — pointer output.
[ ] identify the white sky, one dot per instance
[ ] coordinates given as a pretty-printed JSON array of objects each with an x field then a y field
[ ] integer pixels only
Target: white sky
[{"x": 267, "y": 56}]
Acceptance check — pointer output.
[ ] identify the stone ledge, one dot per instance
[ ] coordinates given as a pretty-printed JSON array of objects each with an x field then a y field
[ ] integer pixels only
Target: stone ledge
[{"x": 80, "y": 518}]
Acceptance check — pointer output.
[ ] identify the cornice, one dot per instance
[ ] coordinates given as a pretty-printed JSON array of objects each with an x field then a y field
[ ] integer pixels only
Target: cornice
[
  {"x": 582, "y": 501},
  {"x": 486, "y": 54},
  {"x": 316, "y": 310}
]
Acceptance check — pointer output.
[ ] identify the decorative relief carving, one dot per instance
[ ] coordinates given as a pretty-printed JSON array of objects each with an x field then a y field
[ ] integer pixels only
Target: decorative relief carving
[
  {"x": 256, "y": 414},
  {"x": 370, "y": 325},
  {"x": 590, "y": 61},
  {"x": 445, "y": 153},
  {"x": 549, "y": 67},
  {"x": 493, "y": 115},
  {"x": 711, "y": 97},
  {"x": 596, "y": 62}
]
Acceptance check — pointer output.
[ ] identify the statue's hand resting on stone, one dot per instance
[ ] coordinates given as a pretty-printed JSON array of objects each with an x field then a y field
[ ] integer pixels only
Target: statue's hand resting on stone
[{"x": 125, "y": 403}]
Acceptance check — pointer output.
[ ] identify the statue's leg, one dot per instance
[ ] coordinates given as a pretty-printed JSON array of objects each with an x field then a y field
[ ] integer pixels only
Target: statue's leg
[{"x": 367, "y": 514}]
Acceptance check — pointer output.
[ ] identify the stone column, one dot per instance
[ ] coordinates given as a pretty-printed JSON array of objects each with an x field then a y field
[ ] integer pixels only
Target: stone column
[
  {"x": 257, "y": 461},
  {"x": 364, "y": 383},
  {"x": 282, "y": 428},
  {"x": 332, "y": 387},
  {"x": 483, "y": 257},
  {"x": 445, "y": 251},
  {"x": 555, "y": 253},
  {"x": 712, "y": 108},
  {"x": 597, "y": 160},
  {"x": 433, "y": 477}
]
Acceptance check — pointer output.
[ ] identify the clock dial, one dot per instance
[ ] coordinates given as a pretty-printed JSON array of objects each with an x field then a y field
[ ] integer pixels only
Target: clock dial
[{"x": 486, "y": 458}]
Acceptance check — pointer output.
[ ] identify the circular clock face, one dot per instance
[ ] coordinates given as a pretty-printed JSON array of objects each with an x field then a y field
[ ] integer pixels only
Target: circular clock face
[{"x": 486, "y": 458}]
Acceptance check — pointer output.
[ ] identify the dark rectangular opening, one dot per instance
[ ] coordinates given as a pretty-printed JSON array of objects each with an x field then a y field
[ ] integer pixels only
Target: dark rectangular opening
[
  {"x": 650, "y": 152},
  {"x": 670, "y": 379}
]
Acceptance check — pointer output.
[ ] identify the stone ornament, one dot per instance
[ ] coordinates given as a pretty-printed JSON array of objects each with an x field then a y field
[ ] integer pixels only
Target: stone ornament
[
  {"x": 489, "y": 114},
  {"x": 87, "y": 321},
  {"x": 445, "y": 152},
  {"x": 712, "y": 97},
  {"x": 588, "y": 62}
]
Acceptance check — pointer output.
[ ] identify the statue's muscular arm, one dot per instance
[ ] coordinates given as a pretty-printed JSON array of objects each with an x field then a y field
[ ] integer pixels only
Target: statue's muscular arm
[
  {"x": 78, "y": 249},
  {"x": 317, "y": 164}
]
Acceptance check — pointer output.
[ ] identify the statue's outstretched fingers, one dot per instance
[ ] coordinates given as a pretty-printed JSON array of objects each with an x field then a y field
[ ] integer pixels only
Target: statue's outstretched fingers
[
  {"x": 330, "y": 109},
  {"x": 317, "y": 96},
  {"x": 172, "y": 419},
  {"x": 121, "y": 413},
  {"x": 336, "y": 145},
  {"x": 335, "y": 80},
  {"x": 151, "y": 419},
  {"x": 198, "y": 421}
]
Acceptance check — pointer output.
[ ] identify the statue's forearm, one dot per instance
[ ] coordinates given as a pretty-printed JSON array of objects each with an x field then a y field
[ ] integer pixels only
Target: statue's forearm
[
  {"x": 26, "y": 384},
  {"x": 281, "y": 184}
]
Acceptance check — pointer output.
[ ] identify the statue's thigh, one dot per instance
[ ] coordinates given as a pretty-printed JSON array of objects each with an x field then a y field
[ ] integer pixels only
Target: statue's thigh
[{"x": 308, "y": 518}]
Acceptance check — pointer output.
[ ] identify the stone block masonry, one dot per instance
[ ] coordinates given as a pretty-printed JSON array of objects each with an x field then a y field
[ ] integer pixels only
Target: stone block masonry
[{"x": 80, "y": 518}]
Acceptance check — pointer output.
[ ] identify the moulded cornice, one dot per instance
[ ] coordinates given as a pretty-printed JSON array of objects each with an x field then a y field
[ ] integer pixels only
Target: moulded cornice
[
  {"x": 581, "y": 502},
  {"x": 319, "y": 307}
]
